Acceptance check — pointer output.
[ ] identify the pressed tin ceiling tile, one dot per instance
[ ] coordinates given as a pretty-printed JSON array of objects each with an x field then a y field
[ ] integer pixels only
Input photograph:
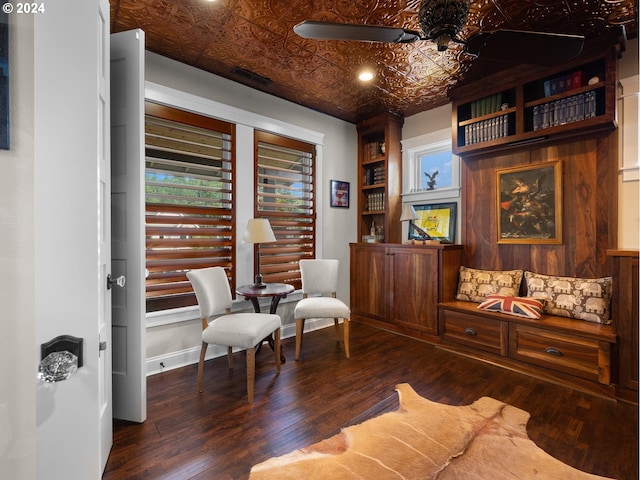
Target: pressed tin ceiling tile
[{"x": 257, "y": 36}]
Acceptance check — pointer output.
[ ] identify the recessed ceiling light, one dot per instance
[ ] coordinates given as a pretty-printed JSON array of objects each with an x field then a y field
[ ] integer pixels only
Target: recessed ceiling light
[{"x": 365, "y": 76}]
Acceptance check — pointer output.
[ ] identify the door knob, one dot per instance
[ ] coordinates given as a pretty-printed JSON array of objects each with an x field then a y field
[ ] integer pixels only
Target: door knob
[
  {"x": 118, "y": 282},
  {"x": 57, "y": 366}
]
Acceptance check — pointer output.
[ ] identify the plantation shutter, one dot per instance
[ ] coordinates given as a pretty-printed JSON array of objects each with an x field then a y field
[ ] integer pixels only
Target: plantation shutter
[
  {"x": 285, "y": 195},
  {"x": 190, "y": 209}
]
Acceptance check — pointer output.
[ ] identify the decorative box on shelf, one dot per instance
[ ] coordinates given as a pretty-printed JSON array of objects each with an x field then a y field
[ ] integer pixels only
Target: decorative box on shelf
[{"x": 372, "y": 238}]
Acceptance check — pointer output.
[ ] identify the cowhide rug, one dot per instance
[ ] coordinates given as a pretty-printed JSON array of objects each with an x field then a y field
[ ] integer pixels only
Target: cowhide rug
[{"x": 426, "y": 440}]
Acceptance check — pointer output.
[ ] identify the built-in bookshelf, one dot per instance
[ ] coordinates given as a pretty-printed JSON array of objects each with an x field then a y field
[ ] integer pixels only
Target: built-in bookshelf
[
  {"x": 571, "y": 96},
  {"x": 379, "y": 190},
  {"x": 545, "y": 104},
  {"x": 487, "y": 119}
]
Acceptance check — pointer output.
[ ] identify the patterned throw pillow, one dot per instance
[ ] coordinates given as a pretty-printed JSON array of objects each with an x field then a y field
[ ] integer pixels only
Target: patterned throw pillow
[
  {"x": 583, "y": 298},
  {"x": 474, "y": 285},
  {"x": 519, "y": 306}
]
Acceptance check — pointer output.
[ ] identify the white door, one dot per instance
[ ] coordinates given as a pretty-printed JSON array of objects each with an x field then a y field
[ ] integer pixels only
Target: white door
[
  {"x": 105, "y": 351},
  {"x": 127, "y": 209},
  {"x": 72, "y": 241}
]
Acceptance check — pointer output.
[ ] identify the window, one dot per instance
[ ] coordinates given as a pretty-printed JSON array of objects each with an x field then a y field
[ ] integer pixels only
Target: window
[
  {"x": 431, "y": 174},
  {"x": 432, "y": 171},
  {"x": 190, "y": 208},
  {"x": 433, "y": 167},
  {"x": 285, "y": 194}
]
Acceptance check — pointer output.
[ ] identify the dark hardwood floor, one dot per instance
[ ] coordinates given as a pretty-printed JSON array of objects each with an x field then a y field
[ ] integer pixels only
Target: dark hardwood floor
[{"x": 218, "y": 435}]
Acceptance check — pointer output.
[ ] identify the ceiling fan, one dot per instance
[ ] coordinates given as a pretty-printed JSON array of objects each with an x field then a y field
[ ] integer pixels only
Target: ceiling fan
[{"x": 441, "y": 21}]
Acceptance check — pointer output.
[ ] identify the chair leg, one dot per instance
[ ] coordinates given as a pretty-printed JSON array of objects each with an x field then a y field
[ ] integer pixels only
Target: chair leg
[
  {"x": 346, "y": 323},
  {"x": 276, "y": 348},
  {"x": 251, "y": 372},
  {"x": 230, "y": 357},
  {"x": 299, "y": 330},
  {"x": 337, "y": 329},
  {"x": 203, "y": 351}
]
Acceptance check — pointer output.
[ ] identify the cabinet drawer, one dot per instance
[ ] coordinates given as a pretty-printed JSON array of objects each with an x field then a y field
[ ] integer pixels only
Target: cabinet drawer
[
  {"x": 485, "y": 334},
  {"x": 583, "y": 357}
]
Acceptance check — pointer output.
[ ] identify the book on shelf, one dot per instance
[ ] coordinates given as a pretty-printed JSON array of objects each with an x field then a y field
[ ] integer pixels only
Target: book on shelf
[
  {"x": 576, "y": 79},
  {"x": 486, "y": 105},
  {"x": 562, "y": 83},
  {"x": 375, "y": 202},
  {"x": 566, "y": 110},
  {"x": 486, "y": 130},
  {"x": 374, "y": 150}
]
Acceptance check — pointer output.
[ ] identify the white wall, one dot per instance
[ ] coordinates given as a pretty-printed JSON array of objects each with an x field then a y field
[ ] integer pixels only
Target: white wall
[
  {"x": 177, "y": 342},
  {"x": 629, "y": 116},
  {"x": 17, "y": 317}
]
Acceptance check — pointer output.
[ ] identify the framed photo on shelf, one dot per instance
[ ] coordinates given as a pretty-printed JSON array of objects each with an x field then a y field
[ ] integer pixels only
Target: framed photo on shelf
[
  {"x": 339, "y": 194},
  {"x": 529, "y": 206},
  {"x": 438, "y": 220}
]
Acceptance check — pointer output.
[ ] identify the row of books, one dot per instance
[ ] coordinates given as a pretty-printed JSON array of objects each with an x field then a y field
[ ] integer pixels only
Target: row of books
[
  {"x": 563, "y": 83},
  {"x": 486, "y": 130},
  {"x": 373, "y": 176},
  {"x": 487, "y": 105},
  {"x": 375, "y": 150},
  {"x": 375, "y": 202},
  {"x": 566, "y": 110}
]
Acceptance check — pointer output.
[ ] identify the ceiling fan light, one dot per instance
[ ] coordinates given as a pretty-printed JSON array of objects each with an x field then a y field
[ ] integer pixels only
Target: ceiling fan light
[
  {"x": 442, "y": 42},
  {"x": 442, "y": 20}
]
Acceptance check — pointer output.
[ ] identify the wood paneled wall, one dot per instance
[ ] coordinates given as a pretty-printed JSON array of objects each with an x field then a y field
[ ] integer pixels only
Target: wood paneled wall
[{"x": 590, "y": 208}]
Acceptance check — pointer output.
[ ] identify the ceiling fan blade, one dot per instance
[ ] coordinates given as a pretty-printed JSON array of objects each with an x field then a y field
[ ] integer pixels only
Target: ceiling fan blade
[
  {"x": 515, "y": 46},
  {"x": 348, "y": 31}
]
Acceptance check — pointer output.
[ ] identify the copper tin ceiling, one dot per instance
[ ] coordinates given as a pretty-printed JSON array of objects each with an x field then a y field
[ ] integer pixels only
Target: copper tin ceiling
[{"x": 257, "y": 36}]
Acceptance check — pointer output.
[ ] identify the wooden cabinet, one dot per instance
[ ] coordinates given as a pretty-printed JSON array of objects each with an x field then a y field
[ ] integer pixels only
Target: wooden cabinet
[
  {"x": 573, "y": 352},
  {"x": 484, "y": 334},
  {"x": 625, "y": 314},
  {"x": 380, "y": 178},
  {"x": 398, "y": 287},
  {"x": 568, "y": 353},
  {"x": 530, "y": 104}
]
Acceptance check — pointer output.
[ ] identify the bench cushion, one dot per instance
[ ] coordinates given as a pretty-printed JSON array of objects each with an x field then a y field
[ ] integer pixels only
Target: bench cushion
[
  {"x": 519, "y": 306},
  {"x": 582, "y": 298},
  {"x": 474, "y": 284}
]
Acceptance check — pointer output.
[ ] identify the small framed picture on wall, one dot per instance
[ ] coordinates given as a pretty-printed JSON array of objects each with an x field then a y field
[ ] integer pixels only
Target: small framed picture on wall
[{"x": 339, "y": 194}]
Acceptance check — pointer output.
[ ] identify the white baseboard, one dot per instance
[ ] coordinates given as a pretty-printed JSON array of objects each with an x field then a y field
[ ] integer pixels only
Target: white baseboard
[{"x": 190, "y": 356}]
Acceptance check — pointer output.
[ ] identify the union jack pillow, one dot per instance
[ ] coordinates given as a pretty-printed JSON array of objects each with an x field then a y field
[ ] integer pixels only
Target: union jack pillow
[{"x": 520, "y": 306}]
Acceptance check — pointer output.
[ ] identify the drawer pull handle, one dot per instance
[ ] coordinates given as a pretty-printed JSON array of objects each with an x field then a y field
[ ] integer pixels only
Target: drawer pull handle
[
  {"x": 470, "y": 331},
  {"x": 553, "y": 351}
]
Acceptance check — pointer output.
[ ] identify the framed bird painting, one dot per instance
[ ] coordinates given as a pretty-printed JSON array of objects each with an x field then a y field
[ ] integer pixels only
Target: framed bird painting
[{"x": 529, "y": 206}]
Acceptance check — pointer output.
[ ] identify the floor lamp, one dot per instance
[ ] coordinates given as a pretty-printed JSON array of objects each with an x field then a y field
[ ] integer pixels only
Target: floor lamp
[{"x": 258, "y": 231}]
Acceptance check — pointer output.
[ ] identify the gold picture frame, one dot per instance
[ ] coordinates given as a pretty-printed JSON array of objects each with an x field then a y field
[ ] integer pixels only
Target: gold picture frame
[{"x": 529, "y": 204}]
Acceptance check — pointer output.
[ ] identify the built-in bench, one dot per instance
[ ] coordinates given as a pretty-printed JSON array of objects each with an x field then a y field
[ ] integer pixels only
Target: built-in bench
[{"x": 554, "y": 347}]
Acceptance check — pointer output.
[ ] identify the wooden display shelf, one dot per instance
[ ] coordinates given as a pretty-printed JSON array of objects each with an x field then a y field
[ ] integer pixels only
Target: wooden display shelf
[{"x": 544, "y": 104}]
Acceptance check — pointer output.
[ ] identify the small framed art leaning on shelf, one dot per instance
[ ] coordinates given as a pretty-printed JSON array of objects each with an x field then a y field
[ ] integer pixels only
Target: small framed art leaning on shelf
[{"x": 437, "y": 220}]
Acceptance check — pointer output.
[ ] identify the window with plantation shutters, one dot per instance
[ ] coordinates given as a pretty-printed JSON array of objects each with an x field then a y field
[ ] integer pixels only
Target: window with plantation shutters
[
  {"x": 285, "y": 195},
  {"x": 190, "y": 211}
]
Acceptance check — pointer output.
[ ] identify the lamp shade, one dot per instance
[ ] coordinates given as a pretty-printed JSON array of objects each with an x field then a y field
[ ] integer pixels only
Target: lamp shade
[
  {"x": 258, "y": 231},
  {"x": 408, "y": 213}
]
